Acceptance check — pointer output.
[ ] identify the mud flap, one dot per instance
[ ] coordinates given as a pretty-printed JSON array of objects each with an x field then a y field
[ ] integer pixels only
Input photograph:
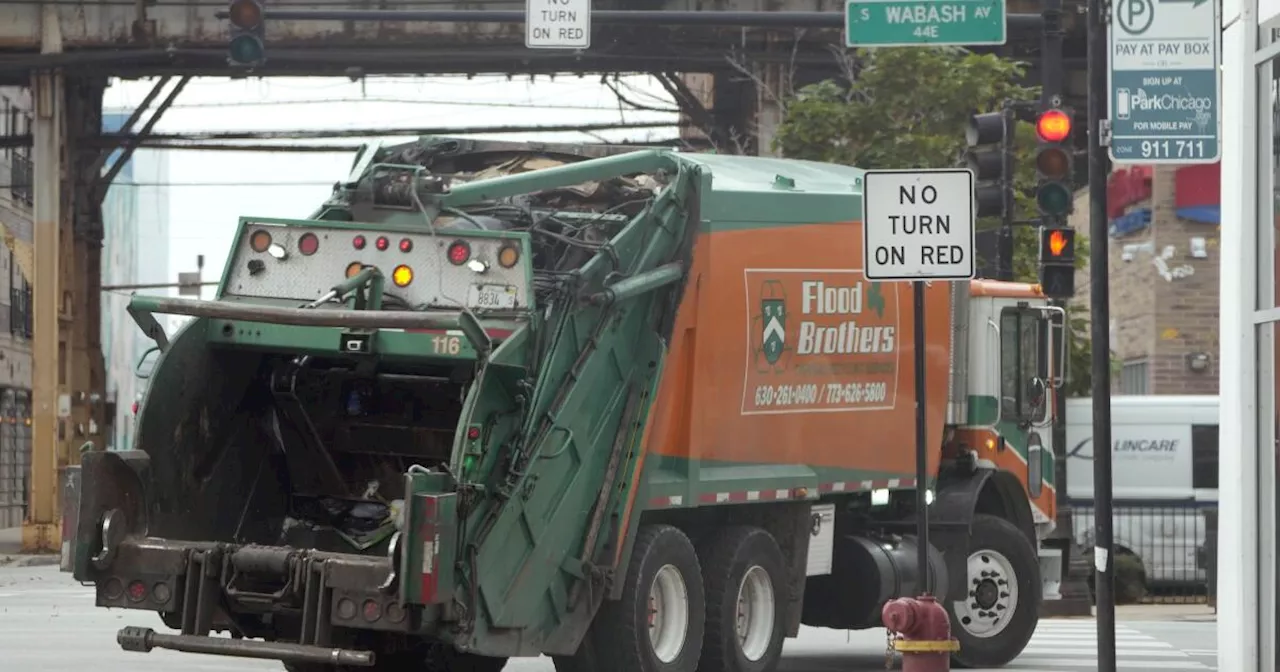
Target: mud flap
[{"x": 112, "y": 506}]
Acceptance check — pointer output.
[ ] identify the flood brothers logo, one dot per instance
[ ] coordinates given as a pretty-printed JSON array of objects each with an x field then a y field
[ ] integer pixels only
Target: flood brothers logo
[{"x": 823, "y": 327}]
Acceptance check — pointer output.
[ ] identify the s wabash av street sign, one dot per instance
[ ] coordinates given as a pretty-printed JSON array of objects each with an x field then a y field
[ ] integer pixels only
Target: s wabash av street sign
[
  {"x": 918, "y": 224},
  {"x": 914, "y": 23},
  {"x": 1165, "y": 81}
]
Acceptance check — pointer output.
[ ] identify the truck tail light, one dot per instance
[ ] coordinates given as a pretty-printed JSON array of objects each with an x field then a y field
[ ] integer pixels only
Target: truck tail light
[
  {"x": 308, "y": 244},
  {"x": 508, "y": 256},
  {"x": 137, "y": 591},
  {"x": 402, "y": 276},
  {"x": 260, "y": 240},
  {"x": 459, "y": 252}
]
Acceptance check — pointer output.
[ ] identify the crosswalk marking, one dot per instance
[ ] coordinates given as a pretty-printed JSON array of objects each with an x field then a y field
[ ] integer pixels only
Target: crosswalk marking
[{"x": 1070, "y": 645}]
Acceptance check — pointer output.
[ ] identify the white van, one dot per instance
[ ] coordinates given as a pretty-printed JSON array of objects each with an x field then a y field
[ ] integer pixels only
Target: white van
[{"x": 1164, "y": 470}]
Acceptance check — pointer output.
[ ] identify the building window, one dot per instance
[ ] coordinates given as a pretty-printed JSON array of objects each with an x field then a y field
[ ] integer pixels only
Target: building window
[
  {"x": 1135, "y": 377},
  {"x": 20, "y": 177},
  {"x": 1204, "y": 457}
]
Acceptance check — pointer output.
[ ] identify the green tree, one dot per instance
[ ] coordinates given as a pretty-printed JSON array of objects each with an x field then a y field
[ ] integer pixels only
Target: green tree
[{"x": 909, "y": 108}]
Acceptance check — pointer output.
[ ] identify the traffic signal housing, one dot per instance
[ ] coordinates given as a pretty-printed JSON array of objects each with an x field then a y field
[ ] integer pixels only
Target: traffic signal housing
[
  {"x": 248, "y": 40},
  {"x": 988, "y": 143},
  {"x": 1057, "y": 273},
  {"x": 1054, "y": 164}
]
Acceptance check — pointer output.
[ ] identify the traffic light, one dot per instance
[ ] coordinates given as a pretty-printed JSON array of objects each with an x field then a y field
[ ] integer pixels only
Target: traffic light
[
  {"x": 1054, "y": 195},
  {"x": 991, "y": 184},
  {"x": 1058, "y": 262},
  {"x": 247, "y": 46}
]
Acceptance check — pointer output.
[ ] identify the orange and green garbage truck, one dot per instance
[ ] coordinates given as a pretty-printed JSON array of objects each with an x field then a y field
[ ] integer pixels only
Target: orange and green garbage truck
[{"x": 615, "y": 406}]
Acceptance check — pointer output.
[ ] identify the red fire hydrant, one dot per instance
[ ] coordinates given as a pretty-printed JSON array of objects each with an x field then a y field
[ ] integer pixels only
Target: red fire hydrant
[{"x": 923, "y": 633}]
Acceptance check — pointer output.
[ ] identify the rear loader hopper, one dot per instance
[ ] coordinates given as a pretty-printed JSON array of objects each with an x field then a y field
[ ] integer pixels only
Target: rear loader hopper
[{"x": 504, "y": 399}]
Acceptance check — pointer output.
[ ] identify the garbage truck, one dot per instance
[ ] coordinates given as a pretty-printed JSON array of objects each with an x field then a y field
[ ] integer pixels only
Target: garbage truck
[{"x": 624, "y": 407}]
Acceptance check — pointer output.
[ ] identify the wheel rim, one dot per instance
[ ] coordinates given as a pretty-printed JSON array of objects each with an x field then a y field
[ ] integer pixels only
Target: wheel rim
[
  {"x": 755, "y": 611},
  {"x": 668, "y": 613},
  {"x": 993, "y": 595}
]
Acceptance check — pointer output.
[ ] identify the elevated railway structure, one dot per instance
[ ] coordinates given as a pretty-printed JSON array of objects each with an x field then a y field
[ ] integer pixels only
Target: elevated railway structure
[{"x": 65, "y": 51}]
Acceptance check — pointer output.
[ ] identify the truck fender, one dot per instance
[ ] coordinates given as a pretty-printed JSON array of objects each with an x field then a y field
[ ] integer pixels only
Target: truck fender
[{"x": 984, "y": 490}]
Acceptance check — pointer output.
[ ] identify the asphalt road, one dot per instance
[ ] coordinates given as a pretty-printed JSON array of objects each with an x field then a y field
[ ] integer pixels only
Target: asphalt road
[{"x": 48, "y": 623}]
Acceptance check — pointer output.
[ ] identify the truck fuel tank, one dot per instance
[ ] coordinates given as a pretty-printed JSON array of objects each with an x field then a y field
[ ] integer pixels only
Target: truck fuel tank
[{"x": 868, "y": 570}]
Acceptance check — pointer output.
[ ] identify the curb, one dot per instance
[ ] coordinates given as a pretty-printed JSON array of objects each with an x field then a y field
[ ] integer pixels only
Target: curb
[{"x": 29, "y": 560}]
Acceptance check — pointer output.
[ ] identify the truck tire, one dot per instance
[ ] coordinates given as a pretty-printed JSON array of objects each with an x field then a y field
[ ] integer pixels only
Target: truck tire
[
  {"x": 746, "y": 582},
  {"x": 664, "y": 578},
  {"x": 996, "y": 620}
]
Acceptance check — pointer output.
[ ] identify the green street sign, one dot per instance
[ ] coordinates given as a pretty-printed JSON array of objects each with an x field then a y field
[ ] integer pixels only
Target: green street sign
[{"x": 919, "y": 23}]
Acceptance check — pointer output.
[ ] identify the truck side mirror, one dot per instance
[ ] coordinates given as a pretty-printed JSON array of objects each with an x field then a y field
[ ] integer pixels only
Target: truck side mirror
[{"x": 146, "y": 356}]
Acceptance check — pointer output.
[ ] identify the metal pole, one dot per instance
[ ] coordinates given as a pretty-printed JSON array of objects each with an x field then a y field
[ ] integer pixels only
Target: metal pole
[
  {"x": 1100, "y": 318},
  {"x": 922, "y": 440},
  {"x": 1004, "y": 269},
  {"x": 156, "y": 285}
]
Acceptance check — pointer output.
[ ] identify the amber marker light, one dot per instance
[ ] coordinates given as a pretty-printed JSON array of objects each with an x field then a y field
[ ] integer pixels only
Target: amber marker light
[
  {"x": 402, "y": 276},
  {"x": 260, "y": 240},
  {"x": 354, "y": 268},
  {"x": 508, "y": 256}
]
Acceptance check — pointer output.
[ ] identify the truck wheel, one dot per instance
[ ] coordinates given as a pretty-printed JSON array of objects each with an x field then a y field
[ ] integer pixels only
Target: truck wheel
[
  {"x": 657, "y": 625},
  {"x": 997, "y": 618},
  {"x": 746, "y": 583}
]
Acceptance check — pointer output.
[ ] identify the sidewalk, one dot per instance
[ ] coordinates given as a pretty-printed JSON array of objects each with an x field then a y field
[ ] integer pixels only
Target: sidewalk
[
  {"x": 1194, "y": 613},
  {"x": 11, "y": 555}
]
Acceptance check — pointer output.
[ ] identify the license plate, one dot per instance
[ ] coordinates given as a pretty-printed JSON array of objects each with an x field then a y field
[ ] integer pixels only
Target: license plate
[{"x": 492, "y": 297}]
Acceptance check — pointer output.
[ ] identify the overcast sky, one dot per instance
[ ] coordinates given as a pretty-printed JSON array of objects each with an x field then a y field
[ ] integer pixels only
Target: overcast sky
[{"x": 209, "y": 190}]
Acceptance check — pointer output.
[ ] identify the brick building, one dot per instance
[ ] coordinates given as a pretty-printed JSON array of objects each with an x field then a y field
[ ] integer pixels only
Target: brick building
[
  {"x": 1164, "y": 261},
  {"x": 15, "y": 314}
]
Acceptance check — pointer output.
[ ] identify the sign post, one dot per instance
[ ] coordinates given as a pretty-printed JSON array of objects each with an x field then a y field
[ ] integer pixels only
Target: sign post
[
  {"x": 557, "y": 24},
  {"x": 924, "y": 23},
  {"x": 1165, "y": 80},
  {"x": 918, "y": 226}
]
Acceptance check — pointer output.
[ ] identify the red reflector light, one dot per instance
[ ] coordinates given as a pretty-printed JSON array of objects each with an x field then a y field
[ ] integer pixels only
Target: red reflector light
[
  {"x": 137, "y": 591},
  {"x": 308, "y": 244},
  {"x": 473, "y": 433},
  {"x": 358, "y": 242},
  {"x": 381, "y": 243},
  {"x": 459, "y": 252},
  {"x": 406, "y": 245},
  {"x": 135, "y": 408},
  {"x": 372, "y": 611}
]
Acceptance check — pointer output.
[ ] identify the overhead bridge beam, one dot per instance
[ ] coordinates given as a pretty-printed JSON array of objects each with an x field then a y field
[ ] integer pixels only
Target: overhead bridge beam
[{"x": 711, "y": 18}]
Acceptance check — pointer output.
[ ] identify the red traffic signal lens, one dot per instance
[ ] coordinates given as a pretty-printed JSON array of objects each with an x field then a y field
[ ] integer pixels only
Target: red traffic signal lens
[
  {"x": 245, "y": 14},
  {"x": 1053, "y": 126}
]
